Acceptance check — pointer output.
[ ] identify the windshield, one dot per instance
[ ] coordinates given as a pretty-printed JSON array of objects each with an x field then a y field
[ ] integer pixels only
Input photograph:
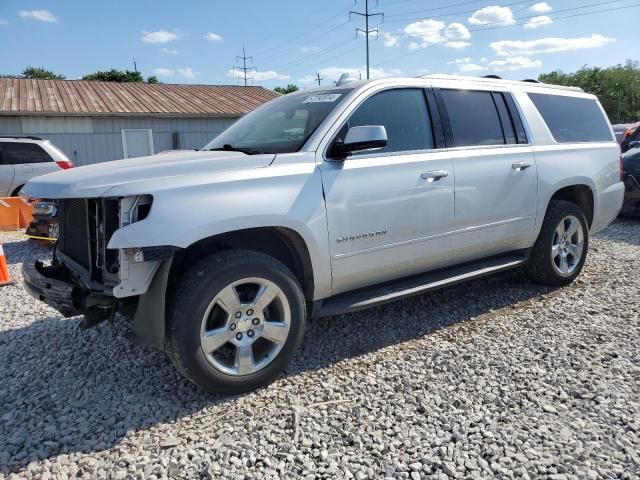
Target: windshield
[{"x": 282, "y": 125}]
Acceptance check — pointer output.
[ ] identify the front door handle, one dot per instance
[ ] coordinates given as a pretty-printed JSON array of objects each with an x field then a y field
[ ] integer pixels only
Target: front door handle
[
  {"x": 520, "y": 165},
  {"x": 434, "y": 175}
]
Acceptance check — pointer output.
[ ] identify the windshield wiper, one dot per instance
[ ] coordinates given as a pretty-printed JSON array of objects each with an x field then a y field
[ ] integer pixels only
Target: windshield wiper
[{"x": 230, "y": 148}]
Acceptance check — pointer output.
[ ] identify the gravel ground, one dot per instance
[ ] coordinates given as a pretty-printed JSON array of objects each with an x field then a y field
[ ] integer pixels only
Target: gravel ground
[{"x": 495, "y": 378}]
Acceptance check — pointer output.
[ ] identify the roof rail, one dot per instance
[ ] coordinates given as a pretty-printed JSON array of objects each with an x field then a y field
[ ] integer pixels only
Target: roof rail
[
  {"x": 21, "y": 137},
  {"x": 531, "y": 80},
  {"x": 495, "y": 79}
]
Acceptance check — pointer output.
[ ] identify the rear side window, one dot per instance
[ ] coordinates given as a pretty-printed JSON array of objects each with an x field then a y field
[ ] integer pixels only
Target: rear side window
[
  {"x": 572, "y": 119},
  {"x": 473, "y": 117},
  {"x": 17, "y": 153},
  {"x": 403, "y": 112}
]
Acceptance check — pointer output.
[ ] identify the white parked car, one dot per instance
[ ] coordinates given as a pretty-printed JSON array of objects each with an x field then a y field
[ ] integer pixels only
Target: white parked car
[
  {"x": 23, "y": 158},
  {"x": 327, "y": 201}
]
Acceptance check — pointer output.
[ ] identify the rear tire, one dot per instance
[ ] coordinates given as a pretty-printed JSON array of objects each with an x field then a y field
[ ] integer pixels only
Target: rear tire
[
  {"x": 235, "y": 322},
  {"x": 561, "y": 249}
]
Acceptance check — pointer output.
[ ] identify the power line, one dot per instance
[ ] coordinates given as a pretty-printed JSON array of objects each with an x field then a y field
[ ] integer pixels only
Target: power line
[
  {"x": 329, "y": 59},
  {"x": 394, "y": 59},
  {"x": 295, "y": 39},
  {"x": 440, "y": 15},
  {"x": 366, "y": 30},
  {"x": 501, "y": 23},
  {"x": 244, "y": 67}
]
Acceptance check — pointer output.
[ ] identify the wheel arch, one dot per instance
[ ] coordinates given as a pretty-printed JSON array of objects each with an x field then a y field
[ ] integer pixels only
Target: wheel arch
[
  {"x": 580, "y": 194},
  {"x": 282, "y": 243}
]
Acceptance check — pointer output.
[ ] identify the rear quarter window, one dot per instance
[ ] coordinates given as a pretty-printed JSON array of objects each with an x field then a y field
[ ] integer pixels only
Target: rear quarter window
[
  {"x": 18, "y": 153},
  {"x": 572, "y": 119}
]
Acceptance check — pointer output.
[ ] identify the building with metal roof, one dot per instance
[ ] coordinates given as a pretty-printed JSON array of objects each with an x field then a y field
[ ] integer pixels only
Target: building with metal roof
[{"x": 99, "y": 121}]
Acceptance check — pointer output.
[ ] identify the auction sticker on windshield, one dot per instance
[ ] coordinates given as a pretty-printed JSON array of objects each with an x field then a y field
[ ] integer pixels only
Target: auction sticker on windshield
[{"x": 330, "y": 97}]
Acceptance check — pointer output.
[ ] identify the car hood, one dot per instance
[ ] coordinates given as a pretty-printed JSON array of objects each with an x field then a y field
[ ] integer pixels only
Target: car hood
[{"x": 128, "y": 177}]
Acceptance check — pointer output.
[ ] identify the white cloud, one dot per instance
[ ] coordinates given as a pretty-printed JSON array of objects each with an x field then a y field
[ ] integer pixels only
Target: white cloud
[
  {"x": 212, "y": 37},
  {"x": 260, "y": 76},
  {"x": 41, "y": 15},
  {"x": 457, "y": 31},
  {"x": 3, "y": 22},
  {"x": 187, "y": 72},
  {"x": 432, "y": 32},
  {"x": 514, "y": 63},
  {"x": 467, "y": 64},
  {"x": 164, "y": 72},
  {"x": 308, "y": 49},
  {"x": 161, "y": 36},
  {"x": 457, "y": 45},
  {"x": 508, "y": 48},
  {"x": 169, "y": 51},
  {"x": 541, "y": 7},
  {"x": 390, "y": 40},
  {"x": 538, "y": 21},
  {"x": 470, "y": 67},
  {"x": 429, "y": 31},
  {"x": 492, "y": 15}
]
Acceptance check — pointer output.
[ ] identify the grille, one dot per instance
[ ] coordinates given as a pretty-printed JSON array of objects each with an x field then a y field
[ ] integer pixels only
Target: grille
[{"x": 73, "y": 235}]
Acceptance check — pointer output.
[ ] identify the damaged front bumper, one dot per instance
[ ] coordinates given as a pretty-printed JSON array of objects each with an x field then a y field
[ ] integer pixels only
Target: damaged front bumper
[
  {"x": 60, "y": 288},
  {"x": 56, "y": 286}
]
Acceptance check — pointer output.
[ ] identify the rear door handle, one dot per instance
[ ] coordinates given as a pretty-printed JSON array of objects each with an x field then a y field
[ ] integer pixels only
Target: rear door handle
[
  {"x": 520, "y": 165},
  {"x": 434, "y": 175}
]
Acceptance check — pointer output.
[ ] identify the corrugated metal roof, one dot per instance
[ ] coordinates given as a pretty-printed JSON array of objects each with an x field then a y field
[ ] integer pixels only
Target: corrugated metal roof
[{"x": 19, "y": 96}]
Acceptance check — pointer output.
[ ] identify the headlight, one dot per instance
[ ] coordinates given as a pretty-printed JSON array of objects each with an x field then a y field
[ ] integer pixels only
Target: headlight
[{"x": 45, "y": 209}]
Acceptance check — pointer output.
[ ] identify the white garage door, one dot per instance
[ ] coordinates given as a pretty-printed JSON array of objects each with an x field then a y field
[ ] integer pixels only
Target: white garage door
[{"x": 137, "y": 142}]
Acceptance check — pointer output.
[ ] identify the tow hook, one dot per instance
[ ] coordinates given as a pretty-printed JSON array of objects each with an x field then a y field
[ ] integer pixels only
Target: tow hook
[{"x": 95, "y": 315}]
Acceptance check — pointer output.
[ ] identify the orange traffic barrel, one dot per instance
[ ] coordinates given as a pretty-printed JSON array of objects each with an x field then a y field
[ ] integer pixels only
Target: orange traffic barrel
[
  {"x": 9, "y": 216},
  {"x": 24, "y": 208}
]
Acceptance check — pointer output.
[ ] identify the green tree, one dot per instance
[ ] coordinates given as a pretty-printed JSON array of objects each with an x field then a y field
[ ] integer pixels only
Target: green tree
[
  {"x": 617, "y": 87},
  {"x": 288, "y": 89},
  {"x": 40, "y": 73},
  {"x": 153, "y": 79},
  {"x": 114, "y": 75}
]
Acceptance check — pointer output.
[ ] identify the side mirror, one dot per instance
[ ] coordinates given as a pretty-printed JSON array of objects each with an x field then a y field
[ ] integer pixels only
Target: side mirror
[{"x": 369, "y": 137}]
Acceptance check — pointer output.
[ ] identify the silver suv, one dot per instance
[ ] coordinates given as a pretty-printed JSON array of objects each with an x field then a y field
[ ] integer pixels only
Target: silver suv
[
  {"x": 22, "y": 158},
  {"x": 328, "y": 201}
]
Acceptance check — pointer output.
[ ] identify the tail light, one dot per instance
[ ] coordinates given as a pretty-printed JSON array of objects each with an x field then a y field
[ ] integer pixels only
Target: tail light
[{"x": 65, "y": 164}]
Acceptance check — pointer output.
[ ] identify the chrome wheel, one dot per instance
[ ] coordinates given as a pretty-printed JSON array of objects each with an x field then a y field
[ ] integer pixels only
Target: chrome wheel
[
  {"x": 245, "y": 326},
  {"x": 567, "y": 246}
]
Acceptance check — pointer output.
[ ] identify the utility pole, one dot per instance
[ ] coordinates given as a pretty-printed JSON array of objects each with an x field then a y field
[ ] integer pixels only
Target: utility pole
[
  {"x": 366, "y": 30},
  {"x": 318, "y": 79},
  {"x": 244, "y": 67},
  {"x": 135, "y": 67}
]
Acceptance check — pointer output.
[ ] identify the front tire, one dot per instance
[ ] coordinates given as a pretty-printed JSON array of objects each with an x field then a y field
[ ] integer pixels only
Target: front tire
[
  {"x": 236, "y": 321},
  {"x": 561, "y": 249}
]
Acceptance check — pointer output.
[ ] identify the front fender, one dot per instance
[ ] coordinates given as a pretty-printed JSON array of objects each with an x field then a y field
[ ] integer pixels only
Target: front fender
[{"x": 290, "y": 197}]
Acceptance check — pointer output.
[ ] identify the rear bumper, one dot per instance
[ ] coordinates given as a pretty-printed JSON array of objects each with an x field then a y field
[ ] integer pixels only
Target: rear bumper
[{"x": 609, "y": 205}]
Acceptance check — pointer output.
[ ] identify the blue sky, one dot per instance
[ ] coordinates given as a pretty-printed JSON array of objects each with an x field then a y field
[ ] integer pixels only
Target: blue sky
[{"x": 196, "y": 41}]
